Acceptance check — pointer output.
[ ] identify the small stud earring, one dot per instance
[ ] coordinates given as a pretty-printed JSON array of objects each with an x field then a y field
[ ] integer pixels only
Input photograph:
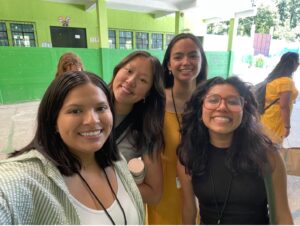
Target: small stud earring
[{"x": 170, "y": 72}]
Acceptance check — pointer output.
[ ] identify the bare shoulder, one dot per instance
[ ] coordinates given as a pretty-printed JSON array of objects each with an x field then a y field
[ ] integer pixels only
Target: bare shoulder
[{"x": 274, "y": 159}]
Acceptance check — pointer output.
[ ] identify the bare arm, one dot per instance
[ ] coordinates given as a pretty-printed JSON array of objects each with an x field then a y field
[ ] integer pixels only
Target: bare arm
[
  {"x": 279, "y": 183},
  {"x": 189, "y": 207},
  {"x": 284, "y": 103},
  {"x": 152, "y": 186}
]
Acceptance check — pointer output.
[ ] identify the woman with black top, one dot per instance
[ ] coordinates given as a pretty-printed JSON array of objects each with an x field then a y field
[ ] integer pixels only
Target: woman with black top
[{"x": 227, "y": 162}]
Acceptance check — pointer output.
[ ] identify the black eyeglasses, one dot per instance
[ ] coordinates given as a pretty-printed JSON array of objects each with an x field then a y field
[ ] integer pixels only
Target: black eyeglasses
[{"x": 233, "y": 103}]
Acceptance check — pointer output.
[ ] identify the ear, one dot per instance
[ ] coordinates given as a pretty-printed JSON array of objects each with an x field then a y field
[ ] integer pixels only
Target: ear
[{"x": 169, "y": 66}]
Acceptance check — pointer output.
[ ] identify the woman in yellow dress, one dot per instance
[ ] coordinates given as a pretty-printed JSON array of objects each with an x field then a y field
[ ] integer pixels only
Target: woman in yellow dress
[
  {"x": 185, "y": 66},
  {"x": 276, "y": 119}
]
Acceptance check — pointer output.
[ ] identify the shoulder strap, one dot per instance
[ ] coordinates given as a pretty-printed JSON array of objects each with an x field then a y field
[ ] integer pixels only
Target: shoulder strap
[
  {"x": 273, "y": 102},
  {"x": 123, "y": 125}
]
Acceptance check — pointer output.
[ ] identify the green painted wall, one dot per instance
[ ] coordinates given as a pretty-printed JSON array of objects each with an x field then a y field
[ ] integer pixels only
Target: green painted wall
[
  {"x": 218, "y": 63},
  {"x": 25, "y": 73},
  {"x": 45, "y": 14},
  {"x": 140, "y": 21}
]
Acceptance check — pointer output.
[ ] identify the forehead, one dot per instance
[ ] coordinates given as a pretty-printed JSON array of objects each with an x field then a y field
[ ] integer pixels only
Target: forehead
[
  {"x": 184, "y": 45},
  {"x": 223, "y": 90},
  {"x": 141, "y": 64},
  {"x": 85, "y": 94}
]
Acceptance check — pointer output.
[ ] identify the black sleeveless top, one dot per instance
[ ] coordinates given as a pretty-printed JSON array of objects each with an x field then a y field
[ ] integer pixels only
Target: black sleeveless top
[{"x": 247, "y": 197}]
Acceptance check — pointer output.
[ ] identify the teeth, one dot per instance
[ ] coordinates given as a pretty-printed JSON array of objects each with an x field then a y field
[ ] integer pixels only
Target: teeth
[
  {"x": 126, "y": 90},
  {"x": 89, "y": 134},
  {"x": 222, "y": 119}
]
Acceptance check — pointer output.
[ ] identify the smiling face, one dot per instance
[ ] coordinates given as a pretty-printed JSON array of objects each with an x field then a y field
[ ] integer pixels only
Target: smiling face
[
  {"x": 185, "y": 60},
  {"x": 221, "y": 122},
  {"x": 85, "y": 120},
  {"x": 132, "y": 83}
]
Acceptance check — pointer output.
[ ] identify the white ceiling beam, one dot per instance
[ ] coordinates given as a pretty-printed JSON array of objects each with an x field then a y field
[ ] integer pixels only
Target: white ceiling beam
[
  {"x": 150, "y": 5},
  {"x": 89, "y": 6}
]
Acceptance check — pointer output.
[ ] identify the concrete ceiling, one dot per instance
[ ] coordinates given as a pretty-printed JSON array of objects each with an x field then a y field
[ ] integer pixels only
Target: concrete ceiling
[{"x": 206, "y": 8}]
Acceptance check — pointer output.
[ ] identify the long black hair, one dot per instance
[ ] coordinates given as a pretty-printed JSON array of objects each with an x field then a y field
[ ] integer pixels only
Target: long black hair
[
  {"x": 285, "y": 67},
  {"x": 168, "y": 78},
  {"x": 48, "y": 142},
  {"x": 146, "y": 128},
  {"x": 248, "y": 150}
]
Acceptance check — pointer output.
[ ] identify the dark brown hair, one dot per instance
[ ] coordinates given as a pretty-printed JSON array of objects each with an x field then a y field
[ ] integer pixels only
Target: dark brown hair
[
  {"x": 48, "y": 142},
  {"x": 248, "y": 150},
  {"x": 146, "y": 128},
  {"x": 168, "y": 78}
]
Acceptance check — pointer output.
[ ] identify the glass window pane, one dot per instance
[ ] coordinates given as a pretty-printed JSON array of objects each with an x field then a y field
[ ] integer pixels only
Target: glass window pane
[{"x": 23, "y": 34}]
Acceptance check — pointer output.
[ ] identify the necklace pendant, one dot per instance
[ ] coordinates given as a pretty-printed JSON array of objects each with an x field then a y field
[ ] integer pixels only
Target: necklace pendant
[{"x": 219, "y": 221}]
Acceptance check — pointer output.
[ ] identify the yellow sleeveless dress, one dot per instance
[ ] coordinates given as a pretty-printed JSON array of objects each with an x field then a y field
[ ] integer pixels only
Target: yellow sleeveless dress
[
  {"x": 168, "y": 210},
  {"x": 271, "y": 119}
]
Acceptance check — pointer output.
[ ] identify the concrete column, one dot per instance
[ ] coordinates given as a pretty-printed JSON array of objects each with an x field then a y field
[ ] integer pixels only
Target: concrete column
[
  {"x": 102, "y": 24},
  {"x": 178, "y": 22},
  {"x": 230, "y": 47}
]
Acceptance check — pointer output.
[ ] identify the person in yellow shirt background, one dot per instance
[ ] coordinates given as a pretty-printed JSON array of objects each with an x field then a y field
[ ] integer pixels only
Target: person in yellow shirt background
[{"x": 276, "y": 119}]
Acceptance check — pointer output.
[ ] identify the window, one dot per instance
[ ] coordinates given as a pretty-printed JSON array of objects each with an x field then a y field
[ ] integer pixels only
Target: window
[
  {"x": 125, "y": 38},
  {"x": 169, "y": 37},
  {"x": 3, "y": 35},
  {"x": 22, "y": 34},
  {"x": 112, "y": 39},
  {"x": 157, "y": 41},
  {"x": 142, "y": 40}
]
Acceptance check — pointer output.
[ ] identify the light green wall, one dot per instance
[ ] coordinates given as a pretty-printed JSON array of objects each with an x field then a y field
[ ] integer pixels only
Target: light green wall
[{"x": 140, "y": 21}]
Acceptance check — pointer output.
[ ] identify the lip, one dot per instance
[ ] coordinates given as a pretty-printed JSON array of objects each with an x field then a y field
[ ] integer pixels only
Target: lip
[
  {"x": 126, "y": 90},
  {"x": 222, "y": 119},
  {"x": 95, "y": 133}
]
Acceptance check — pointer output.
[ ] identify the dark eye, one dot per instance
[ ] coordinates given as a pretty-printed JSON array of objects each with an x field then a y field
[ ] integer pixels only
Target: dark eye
[
  {"x": 234, "y": 101},
  {"x": 194, "y": 56},
  {"x": 213, "y": 99},
  {"x": 102, "y": 108},
  {"x": 144, "y": 80},
  {"x": 75, "y": 111}
]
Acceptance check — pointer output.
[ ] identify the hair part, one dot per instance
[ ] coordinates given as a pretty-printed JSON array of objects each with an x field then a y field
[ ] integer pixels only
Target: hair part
[
  {"x": 168, "y": 78},
  {"x": 48, "y": 141}
]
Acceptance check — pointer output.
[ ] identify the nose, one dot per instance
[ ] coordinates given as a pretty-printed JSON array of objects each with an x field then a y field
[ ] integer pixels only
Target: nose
[
  {"x": 222, "y": 105},
  {"x": 131, "y": 81},
  {"x": 91, "y": 117},
  {"x": 186, "y": 60}
]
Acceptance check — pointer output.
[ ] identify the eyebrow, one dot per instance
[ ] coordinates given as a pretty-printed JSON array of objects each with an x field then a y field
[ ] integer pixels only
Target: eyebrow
[{"x": 80, "y": 105}]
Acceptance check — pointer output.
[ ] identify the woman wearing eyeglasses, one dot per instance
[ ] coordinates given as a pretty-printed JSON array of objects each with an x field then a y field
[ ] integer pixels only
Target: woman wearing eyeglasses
[{"x": 227, "y": 162}]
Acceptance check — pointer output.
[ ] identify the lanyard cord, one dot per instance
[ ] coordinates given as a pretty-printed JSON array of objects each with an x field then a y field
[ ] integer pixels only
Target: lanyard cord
[
  {"x": 174, "y": 105},
  {"x": 220, "y": 213},
  {"x": 100, "y": 203}
]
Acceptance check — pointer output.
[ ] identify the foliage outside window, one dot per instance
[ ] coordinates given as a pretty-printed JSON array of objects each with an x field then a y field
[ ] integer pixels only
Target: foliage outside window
[
  {"x": 3, "y": 35},
  {"x": 169, "y": 37},
  {"x": 142, "y": 40},
  {"x": 157, "y": 41},
  {"x": 22, "y": 34},
  {"x": 125, "y": 40},
  {"x": 112, "y": 39}
]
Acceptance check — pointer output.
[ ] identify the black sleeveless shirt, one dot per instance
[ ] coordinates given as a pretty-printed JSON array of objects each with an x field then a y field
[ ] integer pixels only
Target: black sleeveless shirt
[{"x": 247, "y": 197}]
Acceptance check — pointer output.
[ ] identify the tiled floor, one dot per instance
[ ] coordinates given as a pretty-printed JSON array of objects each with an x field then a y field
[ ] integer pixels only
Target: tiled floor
[{"x": 17, "y": 126}]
